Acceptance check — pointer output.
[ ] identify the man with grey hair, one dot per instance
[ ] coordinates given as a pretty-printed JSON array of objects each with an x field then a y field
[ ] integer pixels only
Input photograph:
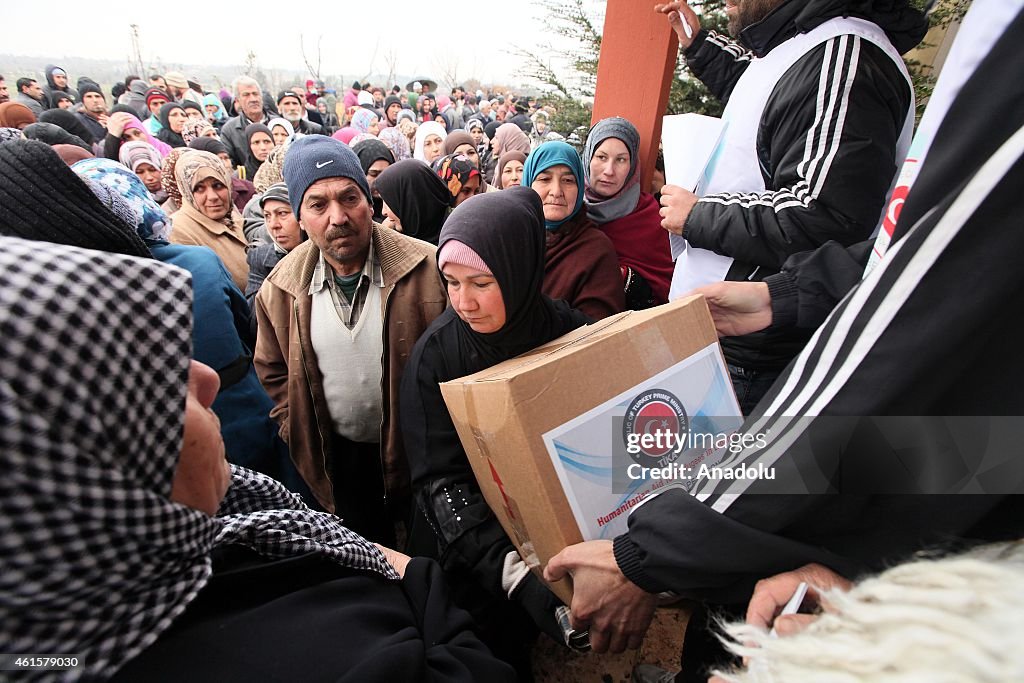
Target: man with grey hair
[{"x": 249, "y": 103}]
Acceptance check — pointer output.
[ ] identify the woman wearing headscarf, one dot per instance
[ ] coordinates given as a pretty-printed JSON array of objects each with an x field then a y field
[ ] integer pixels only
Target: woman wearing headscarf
[
  {"x": 630, "y": 217},
  {"x": 169, "y": 182},
  {"x": 258, "y": 143},
  {"x": 426, "y": 107},
  {"x": 327, "y": 116},
  {"x": 397, "y": 142},
  {"x": 207, "y": 217},
  {"x": 491, "y": 255},
  {"x": 15, "y": 115},
  {"x": 221, "y": 335},
  {"x": 509, "y": 171},
  {"x": 374, "y": 159},
  {"x": 366, "y": 121},
  {"x": 156, "y": 549},
  {"x": 214, "y": 111},
  {"x": 580, "y": 266},
  {"x": 241, "y": 190},
  {"x": 172, "y": 120},
  {"x": 283, "y": 234},
  {"x": 280, "y": 130},
  {"x": 144, "y": 161},
  {"x": 429, "y": 145},
  {"x": 460, "y": 175},
  {"x": 123, "y": 128},
  {"x": 44, "y": 200},
  {"x": 198, "y": 128},
  {"x": 71, "y": 154},
  {"x": 345, "y": 134},
  {"x": 416, "y": 201}
]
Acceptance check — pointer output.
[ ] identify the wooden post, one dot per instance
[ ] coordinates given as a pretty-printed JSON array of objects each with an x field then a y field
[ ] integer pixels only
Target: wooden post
[{"x": 634, "y": 73}]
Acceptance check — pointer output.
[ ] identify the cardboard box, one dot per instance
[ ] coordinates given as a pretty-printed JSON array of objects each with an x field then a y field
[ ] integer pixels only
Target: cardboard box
[{"x": 547, "y": 432}]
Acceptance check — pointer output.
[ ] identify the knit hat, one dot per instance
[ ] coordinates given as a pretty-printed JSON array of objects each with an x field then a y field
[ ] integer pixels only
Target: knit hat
[
  {"x": 278, "y": 192},
  {"x": 454, "y": 251},
  {"x": 87, "y": 86},
  {"x": 156, "y": 93},
  {"x": 189, "y": 104},
  {"x": 285, "y": 94},
  {"x": 47, "y": 201},
  {"x": 176, "y": 79},
  {"x": 315, "y": 157}
]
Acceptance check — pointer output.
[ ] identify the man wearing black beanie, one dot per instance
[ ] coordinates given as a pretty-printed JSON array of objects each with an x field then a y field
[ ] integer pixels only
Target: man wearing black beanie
[
  {"x": 347, "y": 304},
  {"x": 94, "y": 109}
]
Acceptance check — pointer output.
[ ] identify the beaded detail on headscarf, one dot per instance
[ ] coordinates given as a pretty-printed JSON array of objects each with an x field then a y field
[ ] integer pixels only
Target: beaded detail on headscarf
[
  {"x": 148, "y": 219},
  {"x": 397, "y": 142},
  {"x": 195, "y": 128},
  {"x": 168, "y": 181}
]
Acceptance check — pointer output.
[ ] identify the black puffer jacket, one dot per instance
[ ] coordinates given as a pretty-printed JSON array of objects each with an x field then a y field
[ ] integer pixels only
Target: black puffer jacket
[{"x": 860, "y": 135}]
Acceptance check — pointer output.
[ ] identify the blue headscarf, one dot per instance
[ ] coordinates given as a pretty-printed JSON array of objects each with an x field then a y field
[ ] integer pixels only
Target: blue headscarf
[
  {"x": 151, "y": 223},
  {"x": 212, "y": 99},
  {"x": 552, "y": 154}
]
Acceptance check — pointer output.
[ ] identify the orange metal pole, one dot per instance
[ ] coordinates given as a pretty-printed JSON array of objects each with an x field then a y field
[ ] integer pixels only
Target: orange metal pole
[{"x": 634, "y": 73}]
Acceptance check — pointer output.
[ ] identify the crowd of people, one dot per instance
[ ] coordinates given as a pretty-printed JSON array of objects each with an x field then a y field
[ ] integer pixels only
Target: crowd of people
[{"x": 227, "y": 316}]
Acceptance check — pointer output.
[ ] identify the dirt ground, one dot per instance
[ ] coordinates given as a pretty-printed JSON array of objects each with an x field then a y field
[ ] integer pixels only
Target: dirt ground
[{"x": 664, "y": 641}]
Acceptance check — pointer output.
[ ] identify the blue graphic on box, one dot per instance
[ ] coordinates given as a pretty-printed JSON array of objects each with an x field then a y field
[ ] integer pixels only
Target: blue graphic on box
[{"x": 590, "y": 454}]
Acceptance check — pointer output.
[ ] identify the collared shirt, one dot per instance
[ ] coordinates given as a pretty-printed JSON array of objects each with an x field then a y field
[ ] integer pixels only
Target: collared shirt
[{"x": 348, "y": 311}]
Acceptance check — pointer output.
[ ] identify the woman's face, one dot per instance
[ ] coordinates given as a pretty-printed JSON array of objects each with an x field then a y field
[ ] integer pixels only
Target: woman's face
[
  {"x": 211, "y": 133},
  {"x": 202, "y": 476},
  {"x": 558, "y": 189},
  {"x": 177, "y": 118},
  {"x": 212, "y": 198},
  {"x": 374, "y": 128},
  {"x": 470, "y": 188},
  {"x": 280, "y": 135},
  {"x": 281, "y": 224},
  {"x": 211, "y": 113},
  {"x": 609, "y": 167},
  {"x": 321, "y": 107},
  {"x": 476, "y": 297},
  {"x": 225, "y": 159},
  {"x": 150, "y": 176},
  {"x": 512, "y": 174},
  {"x": 433, "y": 147},
  {"x": 470, "y": 152},
  {"x": 477, "y": 134},
  {"x": 133, "y": 135},
  {"x": 261, "y": 144},
  {"x": 390, "y": 219},
  {"x": 193, "y": 114}
]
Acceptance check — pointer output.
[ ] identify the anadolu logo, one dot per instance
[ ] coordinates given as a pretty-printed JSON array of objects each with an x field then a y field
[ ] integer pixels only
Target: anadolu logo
[{"x": 654, "y": 412}]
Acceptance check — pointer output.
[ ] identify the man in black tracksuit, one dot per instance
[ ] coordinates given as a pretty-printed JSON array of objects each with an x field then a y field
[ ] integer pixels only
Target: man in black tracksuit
[
  {"x": 826, "y": 152},
  {"x": 932, "y": 332}
]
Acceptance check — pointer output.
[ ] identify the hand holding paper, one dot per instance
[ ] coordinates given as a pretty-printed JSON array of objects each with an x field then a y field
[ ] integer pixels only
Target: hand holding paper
[{"x": 676, "y": 204}]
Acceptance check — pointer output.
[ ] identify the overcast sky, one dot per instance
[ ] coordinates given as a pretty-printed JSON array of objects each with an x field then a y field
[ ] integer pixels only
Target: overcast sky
[{"x": 357, "y": 36}]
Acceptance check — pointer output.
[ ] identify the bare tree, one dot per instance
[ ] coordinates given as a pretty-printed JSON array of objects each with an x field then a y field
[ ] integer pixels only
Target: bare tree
[
  {"x": 135, "y": 63},
  {"x": 313, "y": 70},
  {"x": 391, "y": 60},
  {"x": 447, "y": 65}
]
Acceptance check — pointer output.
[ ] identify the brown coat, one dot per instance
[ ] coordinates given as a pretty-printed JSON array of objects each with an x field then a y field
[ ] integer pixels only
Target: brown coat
[
  {"x": 192, "y": 227},
  {"x": 581, "y": 267},
  {"x": 412, "y": 297}
]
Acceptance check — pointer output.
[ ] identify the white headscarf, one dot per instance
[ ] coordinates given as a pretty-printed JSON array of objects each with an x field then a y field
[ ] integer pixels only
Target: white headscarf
[{"x": 427, "y": 128}]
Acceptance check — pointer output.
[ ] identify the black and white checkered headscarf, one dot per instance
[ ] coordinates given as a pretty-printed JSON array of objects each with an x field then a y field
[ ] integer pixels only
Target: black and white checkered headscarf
[{"x": 95, "y": 560}]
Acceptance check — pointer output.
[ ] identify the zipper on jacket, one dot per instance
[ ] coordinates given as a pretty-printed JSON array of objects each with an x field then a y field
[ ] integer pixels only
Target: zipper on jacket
[{"x": 319, "y": 422}]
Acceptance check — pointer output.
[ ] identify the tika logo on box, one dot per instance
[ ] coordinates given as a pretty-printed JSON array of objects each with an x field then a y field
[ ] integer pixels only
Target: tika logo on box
[{"x": 655, "y": 428}]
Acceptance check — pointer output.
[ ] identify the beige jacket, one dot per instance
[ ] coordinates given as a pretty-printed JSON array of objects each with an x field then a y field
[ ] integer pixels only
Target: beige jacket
[{"x": 412, "y": 297}]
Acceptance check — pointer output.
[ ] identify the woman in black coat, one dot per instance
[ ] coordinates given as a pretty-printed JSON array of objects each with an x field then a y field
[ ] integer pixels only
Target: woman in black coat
[{"x": 491, "y": 254}]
